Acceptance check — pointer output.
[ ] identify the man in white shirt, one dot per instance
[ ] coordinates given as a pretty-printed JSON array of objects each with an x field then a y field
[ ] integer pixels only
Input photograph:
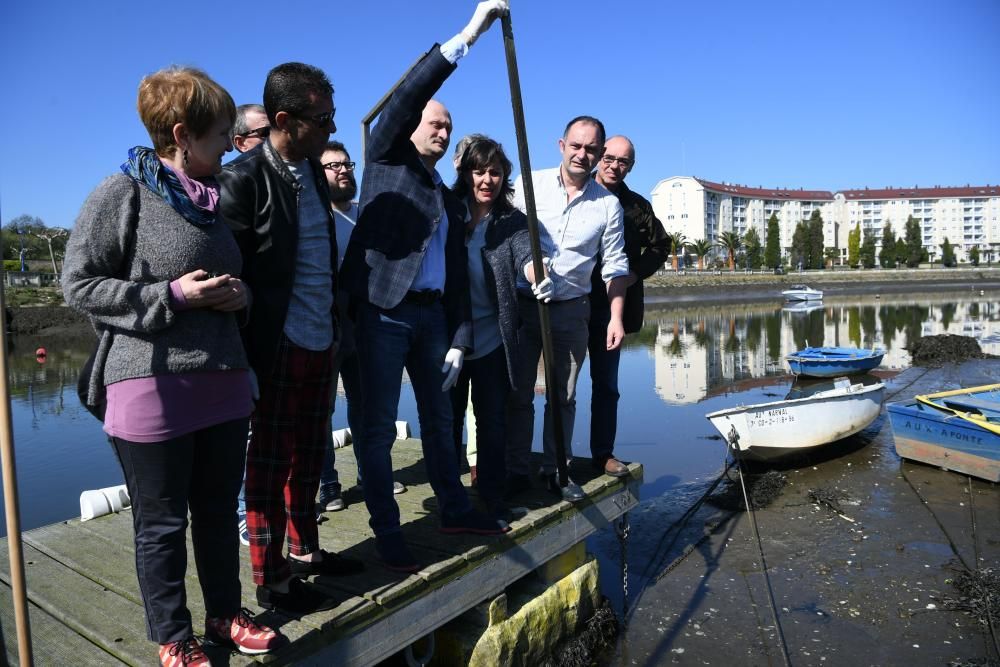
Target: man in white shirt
[{"x": 580, "y": 223}]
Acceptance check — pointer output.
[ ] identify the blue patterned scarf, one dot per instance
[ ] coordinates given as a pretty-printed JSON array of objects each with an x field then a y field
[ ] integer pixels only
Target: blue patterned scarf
[{"x": 145, "y": 167}]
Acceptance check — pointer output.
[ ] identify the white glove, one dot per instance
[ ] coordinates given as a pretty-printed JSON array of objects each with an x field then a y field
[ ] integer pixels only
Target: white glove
[
  {"x": 452, "y": 367},
  {"x": 543, "y": 291},
  {"x": 486, "y": 13}
]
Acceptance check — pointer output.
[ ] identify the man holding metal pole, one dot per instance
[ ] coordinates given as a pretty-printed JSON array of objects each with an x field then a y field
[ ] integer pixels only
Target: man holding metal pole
[
  {"x": 580, "y": 224},
  {"x": 406, "y": 272}
]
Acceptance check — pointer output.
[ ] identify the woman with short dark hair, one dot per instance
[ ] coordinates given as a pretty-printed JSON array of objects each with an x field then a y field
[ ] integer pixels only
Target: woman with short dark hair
[
  {"x": 498, "y": 248},
  {"x": 158, "y": 276}
]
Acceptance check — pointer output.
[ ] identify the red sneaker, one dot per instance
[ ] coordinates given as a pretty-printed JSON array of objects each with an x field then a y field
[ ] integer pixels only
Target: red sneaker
[
  {"x": 183, "y": 653},
  {"x": 243, "y": 633}
]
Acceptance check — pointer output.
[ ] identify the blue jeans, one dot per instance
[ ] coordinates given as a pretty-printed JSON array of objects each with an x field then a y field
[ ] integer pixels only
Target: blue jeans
[
  {"x": 490, "y": 391},
  {"x": 346, "y": 366},
  {"x": 415, "y": 337},
  {"x": 604, "y": 393}
]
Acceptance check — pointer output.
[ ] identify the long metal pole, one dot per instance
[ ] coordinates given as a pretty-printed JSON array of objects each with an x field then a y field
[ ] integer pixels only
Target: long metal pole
[
  {"x": 10, "y": 500},
  {"x": 536, "y": 247}
]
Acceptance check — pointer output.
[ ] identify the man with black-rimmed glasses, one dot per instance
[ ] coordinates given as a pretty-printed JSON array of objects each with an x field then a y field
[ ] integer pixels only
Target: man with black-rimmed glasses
[{"x": 647, "y": 248}]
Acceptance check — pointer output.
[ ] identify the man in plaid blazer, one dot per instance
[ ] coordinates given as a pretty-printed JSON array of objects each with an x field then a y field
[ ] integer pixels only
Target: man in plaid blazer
[{"x": 406, "y": 271}]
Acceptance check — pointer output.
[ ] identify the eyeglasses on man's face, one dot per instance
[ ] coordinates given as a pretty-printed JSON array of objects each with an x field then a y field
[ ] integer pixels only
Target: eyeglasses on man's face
[
  {"x": 623, "y": 162},
  {"x": 320, "y": 120},
  {"x": 339, "y": 166},
  {"x": 260, "y": 132}
]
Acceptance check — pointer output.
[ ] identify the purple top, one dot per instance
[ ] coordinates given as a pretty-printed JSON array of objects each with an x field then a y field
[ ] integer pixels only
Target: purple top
[{"x": 163, "y": 407}]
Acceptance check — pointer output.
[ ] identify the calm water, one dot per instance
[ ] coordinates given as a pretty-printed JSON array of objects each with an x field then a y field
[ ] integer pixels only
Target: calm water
[{"x": 683, "y": 364}]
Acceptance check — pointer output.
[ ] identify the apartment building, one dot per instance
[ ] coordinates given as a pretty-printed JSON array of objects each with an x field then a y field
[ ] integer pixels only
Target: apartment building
[{"x": 700, "y": 209}]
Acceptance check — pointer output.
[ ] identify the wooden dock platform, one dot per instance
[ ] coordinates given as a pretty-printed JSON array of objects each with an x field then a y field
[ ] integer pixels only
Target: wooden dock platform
[{"x": 85, "y": 607}]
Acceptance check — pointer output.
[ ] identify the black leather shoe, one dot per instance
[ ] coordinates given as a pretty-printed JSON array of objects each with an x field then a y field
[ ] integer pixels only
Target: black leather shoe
[
  {"x": 332, "y": 565},
  {"x": 571, "y": 492},
  {"x": 301, "y": 598},
  {"x": 472, "y": 522}
]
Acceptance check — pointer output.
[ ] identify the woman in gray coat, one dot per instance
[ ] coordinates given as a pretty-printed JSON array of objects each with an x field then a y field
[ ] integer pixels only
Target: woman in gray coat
[
  {"x": 158, "y": 275},
  {"x": 498, "y": 248}
]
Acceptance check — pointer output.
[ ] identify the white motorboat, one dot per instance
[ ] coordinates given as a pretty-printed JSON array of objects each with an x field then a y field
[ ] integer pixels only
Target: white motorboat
[
  {"x": 802, "y": 293},
  {"x": 767, "y": 431}
]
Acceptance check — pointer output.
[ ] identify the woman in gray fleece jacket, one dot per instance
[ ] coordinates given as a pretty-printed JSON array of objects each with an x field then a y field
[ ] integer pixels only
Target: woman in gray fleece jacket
[{"x": 157, "y": 274}]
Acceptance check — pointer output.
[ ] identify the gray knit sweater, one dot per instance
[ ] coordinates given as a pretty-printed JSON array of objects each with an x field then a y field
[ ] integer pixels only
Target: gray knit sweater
[{"x": 128, "y": 297}]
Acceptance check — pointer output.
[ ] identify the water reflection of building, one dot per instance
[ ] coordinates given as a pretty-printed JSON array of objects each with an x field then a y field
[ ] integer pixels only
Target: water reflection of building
[{"x": 698, "y": 349}]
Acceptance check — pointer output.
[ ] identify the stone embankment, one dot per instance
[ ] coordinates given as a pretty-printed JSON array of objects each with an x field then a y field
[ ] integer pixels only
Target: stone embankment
[{"x": 741, "y": 286}]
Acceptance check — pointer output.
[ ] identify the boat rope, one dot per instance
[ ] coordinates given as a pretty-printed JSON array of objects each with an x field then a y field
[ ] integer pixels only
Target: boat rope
[
  {"x": 944, "y": 531},
  {"x": 662, "y": 550},
  {"x": 763, "y": 565},
  {"x": 975, "y": 551}
]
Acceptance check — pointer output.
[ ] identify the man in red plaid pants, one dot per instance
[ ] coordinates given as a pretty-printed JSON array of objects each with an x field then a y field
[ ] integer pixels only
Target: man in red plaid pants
[{"x": 276, "y": 200}]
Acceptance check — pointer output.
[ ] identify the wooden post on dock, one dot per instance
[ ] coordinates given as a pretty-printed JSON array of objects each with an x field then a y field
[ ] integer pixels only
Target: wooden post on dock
[
  {"x": 11, "y": 504},
  {"x": 558, "y": 432}
]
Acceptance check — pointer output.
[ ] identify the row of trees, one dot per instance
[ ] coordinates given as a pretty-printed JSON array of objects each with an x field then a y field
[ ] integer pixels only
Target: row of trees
[
  {"x": 808, "y": 250},
  {"x": 28, "y": 237}
]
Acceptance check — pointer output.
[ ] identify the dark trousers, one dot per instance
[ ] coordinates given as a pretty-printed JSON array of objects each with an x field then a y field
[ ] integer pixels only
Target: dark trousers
[
  {"x": 569, "y": 346},
  {"x": 415, "y": 337},
  {"x": 345, "y": 366},
  {"x": 604, "y": 390},
  {"x": 290, "y": 429},
  {"x": 199, "y": 472},
  {"x": 490, "y": 386}
]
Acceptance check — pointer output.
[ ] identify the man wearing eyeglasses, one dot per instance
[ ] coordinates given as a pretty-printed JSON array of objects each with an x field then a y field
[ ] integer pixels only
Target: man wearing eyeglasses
[
  {"x": 251, "y": 127},
  {"x": 405, "y": 269},
  {"x": 580, "y": 228},
  {"x": 276, "y": 200},
  {"x": 647, "y": 248}
]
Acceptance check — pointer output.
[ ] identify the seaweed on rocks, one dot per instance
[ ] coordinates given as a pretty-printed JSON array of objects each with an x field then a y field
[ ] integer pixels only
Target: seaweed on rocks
[
  {"x": 763, "y": 490},
  {"x": 978, "y": 595},
  {"x": 584, "y": 649},
  {"x": 944, "y": 349},
  {"x": 824, "y": 496}
]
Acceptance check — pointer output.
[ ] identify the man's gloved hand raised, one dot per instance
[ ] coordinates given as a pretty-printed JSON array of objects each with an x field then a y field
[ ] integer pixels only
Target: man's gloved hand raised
[
  {"x": 452, "y": 367},
  {"x": 486, "y": 13}
]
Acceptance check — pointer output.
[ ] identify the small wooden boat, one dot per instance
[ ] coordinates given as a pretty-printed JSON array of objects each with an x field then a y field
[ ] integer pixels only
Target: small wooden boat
[
  {"x": 802, "y": 293},
  {"x": 981, "y": 405},
  {"x": 767, "y": 431},
  {"x": 825, "y": 362},
  {"x": 952, "y": 430}
]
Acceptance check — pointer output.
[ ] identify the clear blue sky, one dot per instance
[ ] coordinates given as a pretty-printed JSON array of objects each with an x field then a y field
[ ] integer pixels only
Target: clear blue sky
[{"x": 819, "y": 95}]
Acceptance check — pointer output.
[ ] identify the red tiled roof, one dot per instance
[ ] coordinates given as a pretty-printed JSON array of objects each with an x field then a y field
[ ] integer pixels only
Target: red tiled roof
[
  {"x": 767, "y": 193},
  {"x": 923, "y": 193}
]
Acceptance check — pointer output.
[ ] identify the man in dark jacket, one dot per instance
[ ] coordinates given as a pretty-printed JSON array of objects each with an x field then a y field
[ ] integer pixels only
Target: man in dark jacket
[
  {"x": 647, "y": 248},
  {"x": 276, "y": 200},
  {"x": 405, "y": 270}
]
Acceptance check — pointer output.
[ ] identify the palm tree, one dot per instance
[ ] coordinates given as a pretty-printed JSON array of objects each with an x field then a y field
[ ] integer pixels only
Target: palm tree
[
  {"x": 679, "y": 242},
  {"x": 731, "y": 243},
  {"x": 701, "y": 248}
]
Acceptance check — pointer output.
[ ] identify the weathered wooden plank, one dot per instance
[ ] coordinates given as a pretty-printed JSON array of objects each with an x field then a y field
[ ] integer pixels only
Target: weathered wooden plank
[
  {"x": 109, "y": 620},
  {"x": 52, "y": 643}
]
